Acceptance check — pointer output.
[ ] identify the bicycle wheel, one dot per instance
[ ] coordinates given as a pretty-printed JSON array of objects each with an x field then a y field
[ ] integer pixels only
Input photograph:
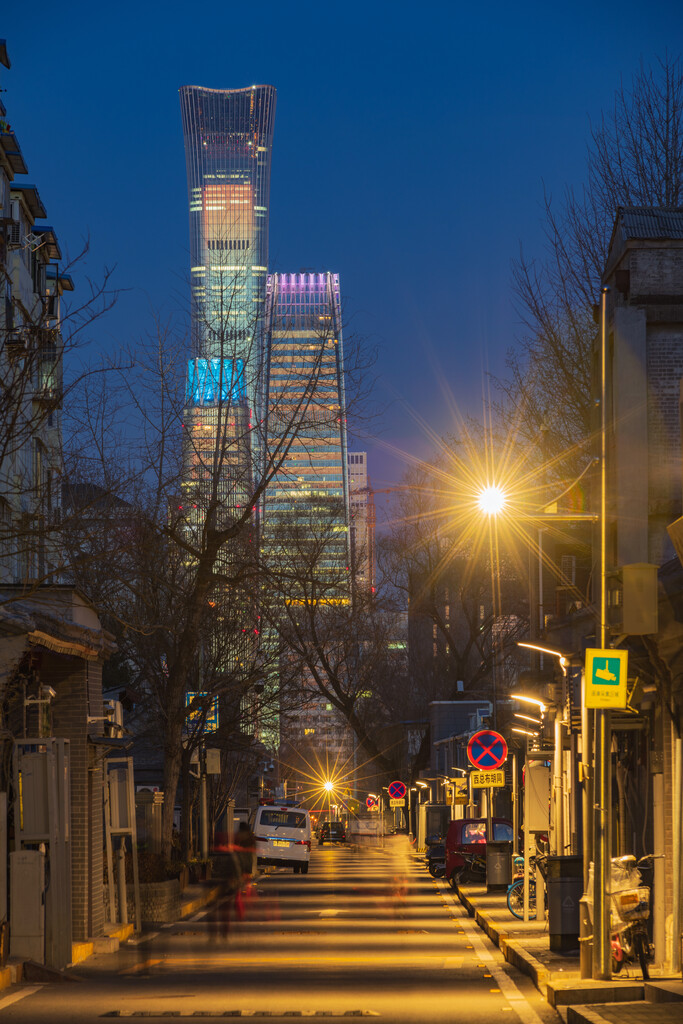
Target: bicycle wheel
[
  {"x": 642, "y": 947},
  {"x": 516, "y": 899}
]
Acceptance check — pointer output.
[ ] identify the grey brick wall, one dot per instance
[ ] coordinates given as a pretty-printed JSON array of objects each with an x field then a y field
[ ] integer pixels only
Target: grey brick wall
[
  {"x": 159, "y": 901},
  {"x": 79, "y": 695}
]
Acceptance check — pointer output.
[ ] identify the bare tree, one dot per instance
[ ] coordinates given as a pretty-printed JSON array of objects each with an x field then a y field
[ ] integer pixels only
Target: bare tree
[
  {"x": 185, "y": 443},
  {"x": 634, "y": 158}
]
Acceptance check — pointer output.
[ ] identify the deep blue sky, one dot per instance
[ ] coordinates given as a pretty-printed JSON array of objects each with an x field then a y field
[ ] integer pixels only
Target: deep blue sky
[{"x": 411, "y": 146}]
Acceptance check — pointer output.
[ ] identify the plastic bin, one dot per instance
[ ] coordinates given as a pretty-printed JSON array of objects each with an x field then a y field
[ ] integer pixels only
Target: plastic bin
[
  {"x": 498, "y": 865},
  {"x": 565, "y": 889}
]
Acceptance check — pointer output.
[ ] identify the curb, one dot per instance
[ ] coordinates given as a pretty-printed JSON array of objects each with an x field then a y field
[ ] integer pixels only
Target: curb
[
  {"x": 192, "y": 906},
  {"x": 11, "y": 974},
  {"x": 512, "y": 949}
]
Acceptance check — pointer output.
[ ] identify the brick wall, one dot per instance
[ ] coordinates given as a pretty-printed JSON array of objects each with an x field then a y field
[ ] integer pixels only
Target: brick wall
[
  {"x": 664, "y": 373},
  {"x": 78, "y": 685},
  {"x": 159, "y": 901},
  {"x": 656, "y": 271}
]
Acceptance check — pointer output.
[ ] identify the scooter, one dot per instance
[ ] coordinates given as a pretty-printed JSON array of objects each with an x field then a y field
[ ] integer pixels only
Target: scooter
[
  {"x": 435, "y": 859},
  {"x": 630, "y": 940}
]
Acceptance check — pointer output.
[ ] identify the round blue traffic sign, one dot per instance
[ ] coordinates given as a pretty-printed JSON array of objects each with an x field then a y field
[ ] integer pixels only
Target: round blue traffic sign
[
  {"x": 397, "y": 790},
  {"x": 487, "y": 750}
]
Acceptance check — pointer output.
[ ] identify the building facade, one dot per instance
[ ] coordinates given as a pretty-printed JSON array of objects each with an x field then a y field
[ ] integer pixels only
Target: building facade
[
  {"x": 228, "y": 137},
  {"x": 361, "y": 521},
  {"x": 306, "y": 412},
  {"x": 228, "y": 143},
  {"x": 305, "y": 524},
  {"x": 31, "y": 351}
]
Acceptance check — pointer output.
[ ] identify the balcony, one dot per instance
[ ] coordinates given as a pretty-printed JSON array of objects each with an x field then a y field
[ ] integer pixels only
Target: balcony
[
  {"x": 49, "y": 396},
  {"x": 16, "y": 344}
]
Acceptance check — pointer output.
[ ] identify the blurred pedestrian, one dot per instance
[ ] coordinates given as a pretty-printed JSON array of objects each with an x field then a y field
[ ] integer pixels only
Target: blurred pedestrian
[{"x": 245, "y": 848}]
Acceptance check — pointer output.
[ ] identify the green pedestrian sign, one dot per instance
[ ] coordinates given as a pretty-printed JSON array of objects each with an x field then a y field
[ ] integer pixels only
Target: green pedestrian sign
[{"x": 606, "y": 675}]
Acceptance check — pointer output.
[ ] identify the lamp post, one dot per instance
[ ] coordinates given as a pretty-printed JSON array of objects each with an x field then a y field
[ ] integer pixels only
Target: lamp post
[{"x": 602, "y": 966}]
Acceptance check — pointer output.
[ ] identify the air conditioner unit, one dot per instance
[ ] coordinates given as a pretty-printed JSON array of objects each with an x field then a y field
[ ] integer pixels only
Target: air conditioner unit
[{"x": 14, "y": 235}]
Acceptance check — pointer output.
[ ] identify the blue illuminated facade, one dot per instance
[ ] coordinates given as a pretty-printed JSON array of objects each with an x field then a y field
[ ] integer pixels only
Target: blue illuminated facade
[{"x": 213, "y": 381}]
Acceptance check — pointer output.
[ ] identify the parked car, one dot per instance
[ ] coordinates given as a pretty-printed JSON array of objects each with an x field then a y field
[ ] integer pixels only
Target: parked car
[
  {"x": 466, "y": 847},
  {"x": 282, "y": 836},
  {"x": 331, "y": 831}
]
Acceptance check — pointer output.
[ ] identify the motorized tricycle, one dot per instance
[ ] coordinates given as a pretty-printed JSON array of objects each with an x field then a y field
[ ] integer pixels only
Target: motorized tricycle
[{"x": 466, "y": 847}]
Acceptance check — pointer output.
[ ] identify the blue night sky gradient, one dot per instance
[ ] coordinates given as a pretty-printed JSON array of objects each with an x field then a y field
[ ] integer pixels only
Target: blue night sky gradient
[{"x": 411, "y": 146}]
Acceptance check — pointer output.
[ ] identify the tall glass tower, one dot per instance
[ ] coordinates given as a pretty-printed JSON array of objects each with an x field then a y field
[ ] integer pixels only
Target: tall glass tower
[
  {"x": 228, "y": 137},
  {"x": 305, "y": 398},
  {"x": 228, "y": 143}
]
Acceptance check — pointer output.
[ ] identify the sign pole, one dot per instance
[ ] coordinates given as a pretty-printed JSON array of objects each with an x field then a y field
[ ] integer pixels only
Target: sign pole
[{"x": 602, "y": 966}]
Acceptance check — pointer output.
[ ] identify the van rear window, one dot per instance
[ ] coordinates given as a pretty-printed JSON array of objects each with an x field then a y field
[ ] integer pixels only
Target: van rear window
[{"x": 289, "y": 819}]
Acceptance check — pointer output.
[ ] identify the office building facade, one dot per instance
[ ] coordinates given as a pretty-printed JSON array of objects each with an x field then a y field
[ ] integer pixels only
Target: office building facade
[{"x": 306, "y": 410}]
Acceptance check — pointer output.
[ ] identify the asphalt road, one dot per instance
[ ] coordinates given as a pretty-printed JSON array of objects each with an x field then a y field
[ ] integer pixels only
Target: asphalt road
[{"x": 363, "y": 934}]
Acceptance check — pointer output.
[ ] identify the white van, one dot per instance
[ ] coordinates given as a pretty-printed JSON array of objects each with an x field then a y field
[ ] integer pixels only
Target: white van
[{"x": 282, "y": 835}]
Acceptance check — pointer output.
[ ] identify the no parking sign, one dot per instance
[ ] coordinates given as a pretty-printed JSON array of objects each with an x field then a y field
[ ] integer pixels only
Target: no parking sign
[{"x": 487, "y": 750}]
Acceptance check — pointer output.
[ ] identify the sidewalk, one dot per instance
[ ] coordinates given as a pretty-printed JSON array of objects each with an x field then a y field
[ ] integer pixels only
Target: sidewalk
[
  {"x": 192, "y": 899},
  {"x": 624, "y": 1000}
]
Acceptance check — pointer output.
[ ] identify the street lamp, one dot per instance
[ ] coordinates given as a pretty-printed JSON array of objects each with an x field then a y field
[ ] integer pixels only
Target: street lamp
[{"x": 492, "y": 500}]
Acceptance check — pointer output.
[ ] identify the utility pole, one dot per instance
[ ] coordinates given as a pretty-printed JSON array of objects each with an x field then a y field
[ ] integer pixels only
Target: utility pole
[
  {"x": 203, "y": 804},
  {"x": 602, "y": 966}
]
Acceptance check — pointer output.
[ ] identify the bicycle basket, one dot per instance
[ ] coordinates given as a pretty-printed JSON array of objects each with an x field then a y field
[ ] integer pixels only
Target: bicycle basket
[{"x": 632, "y": 904}]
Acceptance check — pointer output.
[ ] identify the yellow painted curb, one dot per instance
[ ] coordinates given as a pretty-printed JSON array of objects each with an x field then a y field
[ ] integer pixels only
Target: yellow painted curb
[
  {"x": 122, "y": 932},
  {"x": 10, "y": 975},
  {"x": 80, "y": 951},
  {"x": 194, "y": 905}
]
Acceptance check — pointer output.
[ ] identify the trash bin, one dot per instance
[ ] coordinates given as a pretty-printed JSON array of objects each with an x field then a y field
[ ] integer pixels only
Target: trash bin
[
  {"x": 498, "y": 865},
  {"x": 565, "y": 889}
]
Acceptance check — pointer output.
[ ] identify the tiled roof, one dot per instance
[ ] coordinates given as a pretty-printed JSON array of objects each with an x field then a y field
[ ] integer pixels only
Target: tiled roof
[{"x": 650, "y": 221}]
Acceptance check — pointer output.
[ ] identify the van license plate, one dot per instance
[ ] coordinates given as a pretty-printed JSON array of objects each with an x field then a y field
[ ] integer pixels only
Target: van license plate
[{"x": 280, "y": 842}]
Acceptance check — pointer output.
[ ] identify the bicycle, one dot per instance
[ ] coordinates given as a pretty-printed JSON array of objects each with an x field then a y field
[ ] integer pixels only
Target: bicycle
[{"x": 515, "y": 894}]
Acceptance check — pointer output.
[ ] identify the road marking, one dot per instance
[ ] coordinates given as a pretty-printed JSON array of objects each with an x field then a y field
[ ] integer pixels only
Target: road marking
[
  {"x": 243, "y": 1013},
  {"x": 508, "y": 988},
  {"x": 199, "y": 915},
  {"x": 143, "y": 966},
  {"x": 15, "y": 996},
  {"x": 328, "y": 913}
]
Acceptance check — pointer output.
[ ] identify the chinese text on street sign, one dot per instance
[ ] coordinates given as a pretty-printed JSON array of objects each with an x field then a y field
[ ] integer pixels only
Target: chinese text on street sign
[
  {"x": 486, "y": 780},
  {"x": 606, "y": 675}
]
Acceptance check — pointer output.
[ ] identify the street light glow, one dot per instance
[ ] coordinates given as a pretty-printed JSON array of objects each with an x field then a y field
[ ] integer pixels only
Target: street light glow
[
  {"x": 492, "y": 500},
  {"x": 563, "y": 659},
  {"x": 530, "y": 700},
  {"x": 528, "y": 718},
  {"x": 329, "y": 786}
]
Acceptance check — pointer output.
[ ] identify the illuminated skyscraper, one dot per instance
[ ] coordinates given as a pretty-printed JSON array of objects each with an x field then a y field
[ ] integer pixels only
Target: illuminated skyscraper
[
  {"x": 306, "y": 509},
  {"x": 305, "y": 397},
  {"x": 228, "y": 137},
  {"x": 228, "y": 142}
]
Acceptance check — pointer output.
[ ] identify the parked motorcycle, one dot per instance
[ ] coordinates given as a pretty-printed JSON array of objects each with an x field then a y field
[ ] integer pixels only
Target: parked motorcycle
[{"x": 435, "y": 860}]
